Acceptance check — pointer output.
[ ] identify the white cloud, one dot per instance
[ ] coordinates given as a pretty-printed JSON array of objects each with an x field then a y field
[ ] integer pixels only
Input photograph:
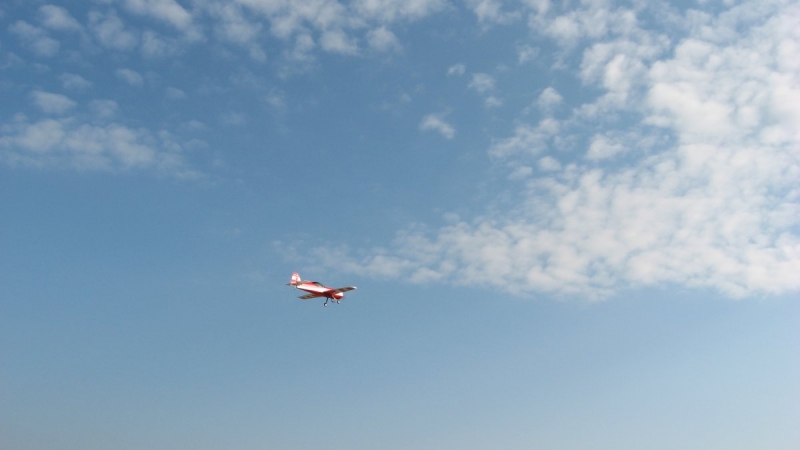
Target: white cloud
[
  {"x": 337, "y": 41},
  {"x": 604, "y": 147},
  {"x": 51, "y": 103},
  {"x": 434, "y": 122},
  {"x": 74, "y": 82},
  {"x": 276, "y": 99},
  {"x": 520, "y": 173},
  {"x": 526, "y": 140},
  {"x": 130, "y": 76},
  {"x": 383, "y": 40},
  {"x": 549, "y": 164},
  {"x": 174, "y": 93},
  {"x": 548, "y": 99},
  {"x": 169, "y": 11},
  {"x": 593, "y": 20},
  {"x": 35, "y": 38},
  {"x": 289, "y": 18},
  {"x": 67, "y": 144},
  {"x": 456, "y": 69},
  {"x": 526, "y": 53},
  {"x": 104, "y": 109},
  {"x": 330, "y": 25},
  {"x": 490, "y": 12},
  {"x": 233, "y": 118},
  {"x": 389, "y": 11},
  {"x": 111, "y": 32},
  {"x": 232, "y": 25},
  {"x": 493, "y": 102},
  {"x": 482, "y": 82},
  {"x": 157, "y": 46},
  {"x": 58, "y": 18},
  {"x": 539, "y": 7},
  {"x": 707, "y": 194}
]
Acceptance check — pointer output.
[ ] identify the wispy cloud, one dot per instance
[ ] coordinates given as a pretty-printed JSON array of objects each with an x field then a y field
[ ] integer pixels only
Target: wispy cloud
[
  {"x": 168, "y": 11},
  {"x": 526, "y": 53},
  {"x": 104, "y": 109},
  {"x": 490, "y": 12},
  {"x": 482, "y": 82},
  {"x": 67, "y": 143},
  {"x": 383, "y": 40},
  {"x": 174, "y": 93},
  {"x": 549, "y": 99},
  {"x": 456, "y": 69},
  {"x": 52, "y": 103},
  {"x": 111, "y": 32},
  {"x": 706, "y": 197},
  {"x": 72, "y": 81},
  {"x": 129, "y": 76},
  {"x": 58, "y": 18},
  {"x": 389, "y": 11},
  {"x": 35, "y": 38},
  {"x": 434, "y": 122}
]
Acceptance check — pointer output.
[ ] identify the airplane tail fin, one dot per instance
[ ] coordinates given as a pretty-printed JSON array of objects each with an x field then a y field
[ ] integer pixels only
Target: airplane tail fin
[{"x": 295, "y": 279}]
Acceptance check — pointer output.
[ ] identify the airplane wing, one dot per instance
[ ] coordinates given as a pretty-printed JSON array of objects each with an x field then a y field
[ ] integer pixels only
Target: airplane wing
[
  {"x": 344, "y": 289},
  {"x": 308, "y": 296}
]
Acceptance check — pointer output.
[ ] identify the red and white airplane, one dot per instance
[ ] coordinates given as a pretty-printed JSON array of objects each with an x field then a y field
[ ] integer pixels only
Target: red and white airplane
[{"x": 317, "y": 289}]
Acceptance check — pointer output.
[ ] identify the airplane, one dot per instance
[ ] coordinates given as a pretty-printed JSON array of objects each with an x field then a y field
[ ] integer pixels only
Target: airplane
[{"x": 317, "y": 289}]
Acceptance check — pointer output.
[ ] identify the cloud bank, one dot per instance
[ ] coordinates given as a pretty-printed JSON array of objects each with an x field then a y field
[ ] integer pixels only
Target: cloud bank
[{"x": 699, "y": 189}]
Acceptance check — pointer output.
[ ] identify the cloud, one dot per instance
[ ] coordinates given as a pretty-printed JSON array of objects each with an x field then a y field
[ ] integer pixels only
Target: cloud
[
  {"x": 51, "y": 103},
  {"x": 276, "y": 99},
  {"x": 74, "y": 82},
  {"x": 456, "y": 69},
  {"x": 482, "y": 83},
  {"x": 489, "y": 12},
  {"x": 130, "y": 76},
  {"x": 68, "y": 144},
  {"x": 493, "y": 102},
  {"x": 603, "y": 147},
  {"x": 154, "y": 45},
  {"x": 548, "y": 99},
  {"x": 58, "y": 18},
  {"x": 337, "y": 41},
  {"x": 526, "y": 53},
  {"x": 527, "y": 140},
  {"x": 110, "y": 32},
  {"x": 232, "y": 24},
  {"x": 174, "y": 93},
  {"x": 520, "y": 173},
  {"x": 593, "y": 20},
  {"x": 702, "y": 191},
  {"x": 330, "y": 25},
  {"x": 434, "y": 122},
  {"x": 168, "y": 11},
  {"x": 233, "y": 118},
  {"x": 104, "y": 109},
  {"x": 383, "y": 40},
  {"x": 289, "y": 18},
  {"x": 389, "y": 11},
  {"x": 35, "y": 38},
  {"x": 549, "y": 164}
]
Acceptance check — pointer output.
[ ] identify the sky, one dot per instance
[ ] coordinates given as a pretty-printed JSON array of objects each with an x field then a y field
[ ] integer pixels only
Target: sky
[{"x": 573, "y": 224}]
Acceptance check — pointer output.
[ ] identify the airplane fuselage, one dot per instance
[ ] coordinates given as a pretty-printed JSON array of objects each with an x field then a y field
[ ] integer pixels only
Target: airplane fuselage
[{"x": 314, "y": 287}]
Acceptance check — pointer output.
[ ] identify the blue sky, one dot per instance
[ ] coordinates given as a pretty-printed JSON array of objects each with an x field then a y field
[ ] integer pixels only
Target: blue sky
[{"x": 573, "y": 224}]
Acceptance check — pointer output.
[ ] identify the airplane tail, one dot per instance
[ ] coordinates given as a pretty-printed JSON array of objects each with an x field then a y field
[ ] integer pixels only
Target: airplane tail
[{"x": 295, "y": 279}]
